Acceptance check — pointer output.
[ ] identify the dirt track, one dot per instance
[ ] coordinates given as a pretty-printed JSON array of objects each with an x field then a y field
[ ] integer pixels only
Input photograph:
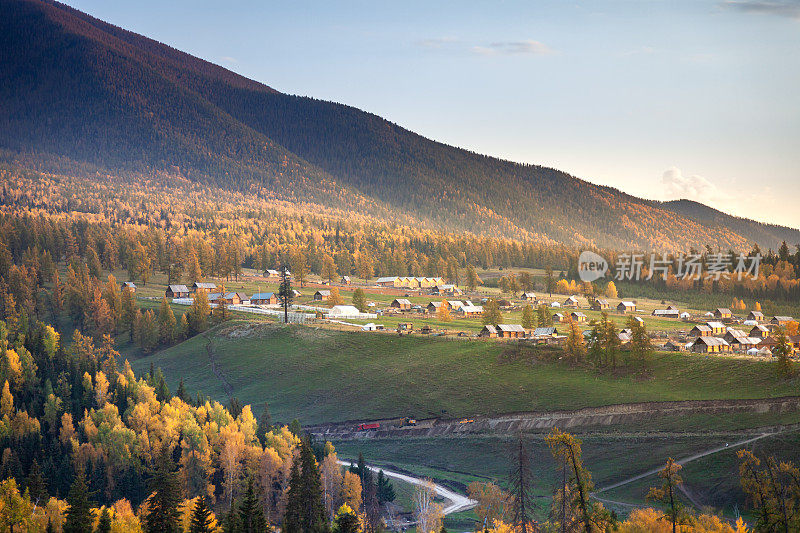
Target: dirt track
[{"x": 530, "y": 422}]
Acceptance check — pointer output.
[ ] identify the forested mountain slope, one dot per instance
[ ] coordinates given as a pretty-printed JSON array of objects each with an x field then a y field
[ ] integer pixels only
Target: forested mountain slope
[
  {"x": 84, "y": 96},
  {"x": 749, "y": 229}
]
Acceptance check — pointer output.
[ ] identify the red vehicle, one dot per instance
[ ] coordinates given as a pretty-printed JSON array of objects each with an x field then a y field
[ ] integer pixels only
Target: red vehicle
[{"x": 362, "y": 427}]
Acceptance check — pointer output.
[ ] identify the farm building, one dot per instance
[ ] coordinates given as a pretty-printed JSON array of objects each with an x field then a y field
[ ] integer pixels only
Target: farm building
[
  {"x": 131, "y": 286},
  {"x": 199, "y": 286},
  {"x": 389, "y": 281},
  {"x": 733, "y": 333},
  {"x": 488, "y": 331},
  {"x": 674, "y": 346},
  {"x": 742, "y": 343},
  {"x": 264, "y": 298},
  {"x": 722, "y": 313},
  {"x": 510, "y": 331},
  {"x": 177, "y": 291},
  {"x": 296, "y": 293},
  {"x": 558, "y": 317},
  {"x": 346, "y": 280},
  {"x": 445, "y": 290},
  {"x": 685, "y": 316},
  {"x": 432, "y": 307},
  {"x": 229, "y": 298},
  {"x": 550, "y": 331},
  {"x": 710, "y": 345},
  {"x": 570, "y": 302},
  {"x": 782, "y": 321},
  {"x": 578, "y": 317},
  {"x": 755, "y": 315},
  {"x": 455, "y": 305},
  {"x": 529, "y": 297},
  {"x": 402, "y": 304},
  {"x": 759, "y": 331},
  {"x": 626, "y": 307},
  {"x": 700, "y": 330},
  {"x": 717, "y": 328},
  {"x": 600, "y": 304},
  {"x": 555, "y": 304},
  {"x": 322, "y": 295},
  {"x": 348, "y": 311},
  {"x": 666, "y": 313},
  {"x": 469, "y": 310}
]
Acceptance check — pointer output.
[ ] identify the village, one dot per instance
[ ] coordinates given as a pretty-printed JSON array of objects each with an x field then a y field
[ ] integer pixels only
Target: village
[{"x": 429, "y": 306}]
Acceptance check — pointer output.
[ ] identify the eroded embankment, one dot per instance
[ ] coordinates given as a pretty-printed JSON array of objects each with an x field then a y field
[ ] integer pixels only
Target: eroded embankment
[{"x": 606, "y": 416}]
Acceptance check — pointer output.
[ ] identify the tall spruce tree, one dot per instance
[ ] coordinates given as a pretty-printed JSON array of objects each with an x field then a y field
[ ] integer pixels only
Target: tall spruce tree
[
  {"x": 163, "y": 515},
  {"x": 78, "y": 514},
  {"x": 202, "y": 520},
  {"x": 305, "y": 511},
  {"x": 251, "y": 517},
  {"x": 104, "y": 523}
]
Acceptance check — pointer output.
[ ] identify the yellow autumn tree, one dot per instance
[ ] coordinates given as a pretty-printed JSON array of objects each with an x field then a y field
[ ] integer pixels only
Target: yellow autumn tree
[{"x": 443, "y": 312}]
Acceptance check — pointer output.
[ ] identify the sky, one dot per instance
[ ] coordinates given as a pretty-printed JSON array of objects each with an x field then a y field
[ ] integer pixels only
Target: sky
[{"x": 694, "y": 99}]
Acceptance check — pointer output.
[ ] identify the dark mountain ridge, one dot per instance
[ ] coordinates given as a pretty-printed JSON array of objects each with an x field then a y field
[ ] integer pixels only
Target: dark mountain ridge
[{"x": 78, "y": 88}]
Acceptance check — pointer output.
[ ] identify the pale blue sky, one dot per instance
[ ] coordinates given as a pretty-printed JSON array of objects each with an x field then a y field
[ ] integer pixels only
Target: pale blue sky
[{"x": 661, "y": 99}]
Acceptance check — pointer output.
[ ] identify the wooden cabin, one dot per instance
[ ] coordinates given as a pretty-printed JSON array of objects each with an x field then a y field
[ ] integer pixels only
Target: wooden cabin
[
  {"x": 626, "y": 307},
  {"x": 322, "y": 295},
  {"x": 722, "y": 313},
  {"x": 264, "y": 298},
  {"x": 510, "y": 331},
  {"x": 710, "y": 345},
  {"x": 718, "y": 329},
  {"x": 700, "y": 330},
  {"x": 402, "y": 304},
  {"x": 177, "y": 291},
  {"x": 199, "y": 286},
  {"x": 488, "y": 331},
  {"x": 578, "y": 317},
  {"x": 755, "y": 315},
  {"x": 600, "y": 304}
]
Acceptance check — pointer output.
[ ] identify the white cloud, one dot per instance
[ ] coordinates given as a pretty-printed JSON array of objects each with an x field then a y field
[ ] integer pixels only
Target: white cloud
[
  {"x": 677, "y": 187},
  {"x": 513, "y": 48},
  {"x": 229, "y": 59}
]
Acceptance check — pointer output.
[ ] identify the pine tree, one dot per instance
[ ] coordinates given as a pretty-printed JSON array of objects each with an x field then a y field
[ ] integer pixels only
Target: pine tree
[
  {"x": 491, "y": 312},
  {"x": 104, "y": 523},
  {"x": 78, "y": 513},
  {"x": 264, "y": 425},
  {"x": 251, "y": 515},
  {"x": 163, "y": 515},
  {"x": 166, "y": 323},
  {"x": 521, "y": 488},
  {"x": 385, "y": 489},
  {"x": 527, "y": 317},
  {"x": 202, "y": 520},
  {"x": 37, "y": 485},
  {"x": 360, "y": 300},
  {"x": 305, "y": 511}
]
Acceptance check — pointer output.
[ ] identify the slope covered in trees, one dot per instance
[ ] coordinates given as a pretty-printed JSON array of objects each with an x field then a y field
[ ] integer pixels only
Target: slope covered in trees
[{"x": 82, "y": 96}]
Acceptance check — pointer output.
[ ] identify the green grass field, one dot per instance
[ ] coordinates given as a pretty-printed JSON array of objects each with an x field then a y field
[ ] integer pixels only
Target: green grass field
[{"x": 322, "y": 375}]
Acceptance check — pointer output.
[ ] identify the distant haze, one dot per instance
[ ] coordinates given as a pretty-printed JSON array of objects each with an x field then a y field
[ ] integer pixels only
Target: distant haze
[{"x": 665, "y": 100}]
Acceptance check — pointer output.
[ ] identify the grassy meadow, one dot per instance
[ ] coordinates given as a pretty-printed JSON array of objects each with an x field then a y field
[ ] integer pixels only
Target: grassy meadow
[{"x": 323, "y": 375}]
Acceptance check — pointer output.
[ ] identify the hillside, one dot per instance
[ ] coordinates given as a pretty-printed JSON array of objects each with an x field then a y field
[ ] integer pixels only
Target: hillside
[
  {"x": 319, "y": 375},
  {"x": 82, "y": 96},
  {"x": 750, "y": 229}
]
